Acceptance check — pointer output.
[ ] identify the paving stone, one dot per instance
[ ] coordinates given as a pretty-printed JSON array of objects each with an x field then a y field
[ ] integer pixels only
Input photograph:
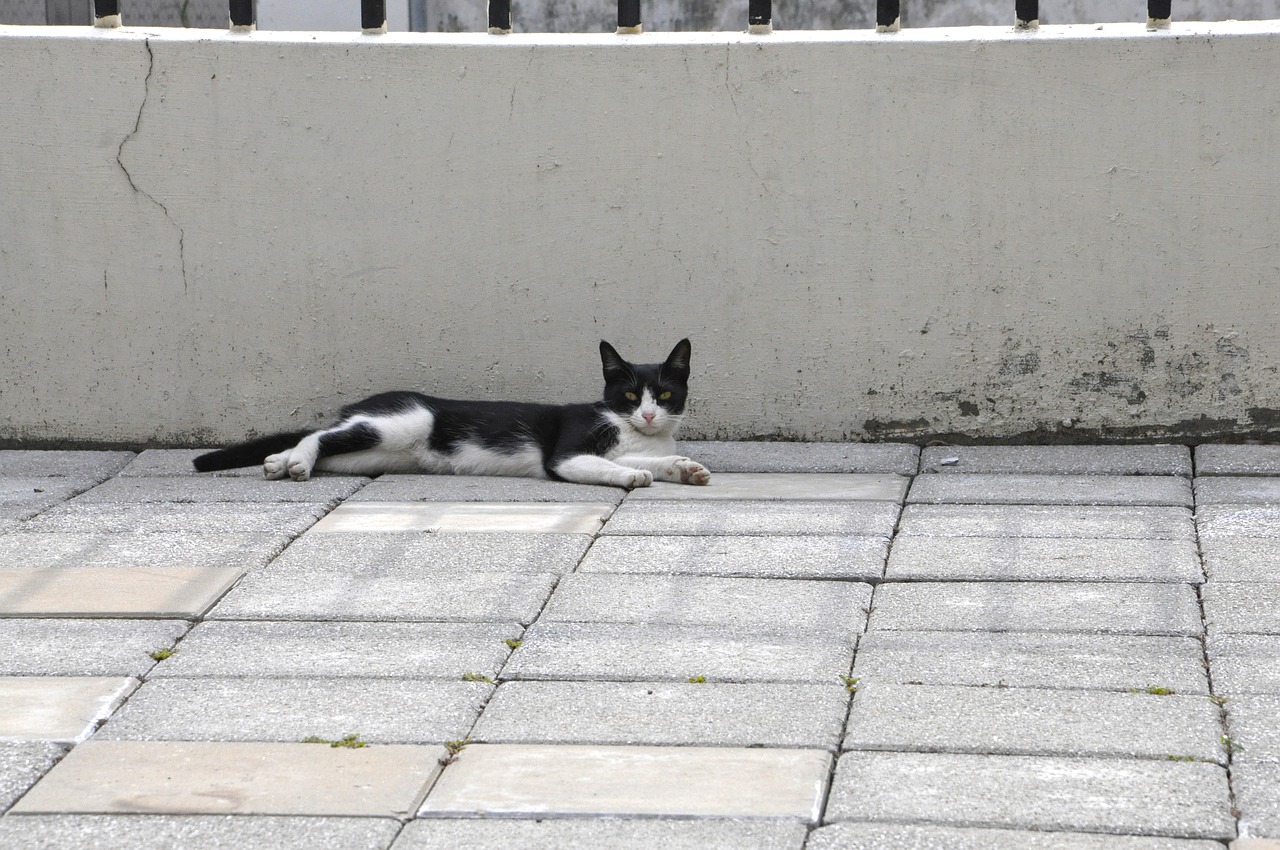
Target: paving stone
[
  {"x": 389, "y": 593},
  {"x": 876, "y": 836},
  {"x": 52, "y": 647},
  {"x": 594, "y": 833},
  {"x": 352, "y": 650},
  {"x": 37, "y": 494},
  {"x": 401, "y": 711},
  {"x": 537, "y": 517},
  {"x": 180, "y": 592},
  {"x": 812, "y": 557},
  {"x": 72, "y": 549},
  {"x": 1242, "y": 608},
  {"x": 136, "y": 490},
  {"x": 1257, "y": 792},
  {"x": 1138, "y": 522},
  {"x": 774, "y": 486},
  {"x": 66, "y": 709},
  {"x": 803, "y": 606},
  {"x": 1019, "y": 660},
  {"x": 1237, "y": 460},
  {"x": 483, "y": 488},
  {"x": 1116, "y": 608},
  {"x": 1039, "y": 722},
  {"x": 158, "y": 463},
  {"x": 960, "y": 489},
  {"x": 1244, "y": 664},
  {"x": 754, "y": 518},
  {"x": 892, "y": 458},
  {"x": 664, "y": 713},
  {"x": 1253, "y": 722},
  {"x": 640, "y": 652},
  {"x": 1059, "y": 460},
  {"x": 1043, "y": 559},
  {"x": 14, "y": 517},
  {"x": 206, "y": 832},
  {"x": 21, "y": 764},
  {"x": 218, "y": 517},
  {"x": 551, "y": 780},
  {"x": 418, "y": 554},
  {"x": 1174, "y": 799},
  {"x": 62, "y": 464},
  {"x": 196, "y": 777},
  {"x": 1215, "y": 522},
  {"x": 1254, "y": 844},
  {"x": 1225, "y": 490},
  {"x": 1241, "y": 559}
]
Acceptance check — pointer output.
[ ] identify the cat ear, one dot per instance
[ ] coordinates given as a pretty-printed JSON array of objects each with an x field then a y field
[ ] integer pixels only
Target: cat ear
[
  {"x": 613, "y": 362},
  {"x": 678, "y": 359}
]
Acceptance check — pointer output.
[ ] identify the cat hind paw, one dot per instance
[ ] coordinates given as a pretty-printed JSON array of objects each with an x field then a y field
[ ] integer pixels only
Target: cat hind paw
[
  {"x": 299, "y": 470},
  {"x": 275, "y": 467}
]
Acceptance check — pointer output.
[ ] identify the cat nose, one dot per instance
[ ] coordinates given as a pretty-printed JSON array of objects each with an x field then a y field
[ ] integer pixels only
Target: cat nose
[{"x": 648, "y": 417}]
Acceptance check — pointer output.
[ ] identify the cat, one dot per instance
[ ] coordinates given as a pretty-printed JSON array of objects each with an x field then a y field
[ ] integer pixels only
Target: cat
[{"x": 625, "y": 440}]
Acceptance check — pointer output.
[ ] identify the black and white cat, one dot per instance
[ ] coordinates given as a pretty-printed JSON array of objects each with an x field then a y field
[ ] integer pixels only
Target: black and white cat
[{"x": 626, "y": 440}]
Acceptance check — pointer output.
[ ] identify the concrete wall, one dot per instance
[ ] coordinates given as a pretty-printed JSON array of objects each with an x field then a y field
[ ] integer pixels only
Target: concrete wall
[{"x": 960, "y": 231}]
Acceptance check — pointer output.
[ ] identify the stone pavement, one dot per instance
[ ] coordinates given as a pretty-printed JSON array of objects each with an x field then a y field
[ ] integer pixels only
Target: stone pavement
[{"x": 833, "y": 646}]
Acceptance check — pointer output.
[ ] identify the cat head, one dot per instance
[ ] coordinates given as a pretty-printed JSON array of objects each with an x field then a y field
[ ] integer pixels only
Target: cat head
[{"x": 648, "y": 397}]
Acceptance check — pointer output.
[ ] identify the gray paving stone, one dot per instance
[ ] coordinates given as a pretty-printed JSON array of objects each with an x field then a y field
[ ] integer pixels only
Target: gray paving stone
[
  {"x": 812, "y": 557},
  {"x": 149, "y": 551},
  {"x": 1253, "y": 722},
  {"x": 418, "y": 554},
  {"x": 470, "y": 517},
  {"x": 481, "y": 488},
  {"x": 960, "y": 489},
  {"x": 557, "y": 780},
  {"x": 21, "y": 764},
  {"x": 1241, "y": 559},
  {"x": 62, "y": 464},
  {"x": 352, "y": 650},
  {"x": 638, "y": 652},
  {"x": 754, "y": 518},
  {"x": 65, "y": 709},
  {"x": 664, "y": 714},
  {"x": 136, "y": 490},
  {"x": 596, "y": 833},
  {"x": 1257, "y": 791},
  {"x": 14, "y": 517},
  {"x": 892, "y": 458},
  {"x": 36, "y": 494},
  {"x": 1241, "y": 608},
  {"x": 1115, "y": 608},
  {"x": 158, "y": 463},
  {"x": 401, "y": 711},
  {"x": 1139, "y": 522},
  {"x": 803, "y": 606},
  {"x": 1059, "y": 460},
  {"x": 1174, "y": 799},
  {"x": 1244, "y": 664},
  {"x": 1043, "y": 559},
  {"x": 50, "y": 647},
  {"x": 217, "y": 517},
  {"x": 176, "y": 593},
  {"x": 776, "y": 486},
  {"x": 206, "y": 832},
  {"x": 197, "y": 777},
  {"x": 1094, "y": 662},
  {"x": 1237, "y": 460},
  {"x": 389, "y": 593},
  {"x": 1227, "y": 490},
  {"x": 1215, "y": 522},
  {"x": 877, "y": 836},
  {"x": 1037, "y": 722}
]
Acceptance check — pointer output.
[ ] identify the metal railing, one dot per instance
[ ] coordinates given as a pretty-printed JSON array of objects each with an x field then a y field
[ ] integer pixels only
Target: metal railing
[{"x": 373, "y": 15}]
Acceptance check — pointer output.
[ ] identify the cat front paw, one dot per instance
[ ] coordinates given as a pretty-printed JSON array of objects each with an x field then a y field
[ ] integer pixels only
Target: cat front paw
[
  {"x": 275, "y": 467},
  {"x": 633, "y": 478},
  {"x": 692, "y": 472}
]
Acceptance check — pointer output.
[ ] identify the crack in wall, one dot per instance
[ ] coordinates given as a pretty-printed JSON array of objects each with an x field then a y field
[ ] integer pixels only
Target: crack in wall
[{"x": 137, "y": 125}]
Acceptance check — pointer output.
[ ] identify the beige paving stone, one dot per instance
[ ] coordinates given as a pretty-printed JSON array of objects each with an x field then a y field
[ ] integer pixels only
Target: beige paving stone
[
  {"x": 551, "y": 780},
  {"x": 793, "y": 486},
  {"x": 167, "y": 777},
  {"x": 547, "y": 517},
  {"x": 58, "y": 708},
  {"x": 175, "y": 592},
  {"x": 1255, "y": 844}
]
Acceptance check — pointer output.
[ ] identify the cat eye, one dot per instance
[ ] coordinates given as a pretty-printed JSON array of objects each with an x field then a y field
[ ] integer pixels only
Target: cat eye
[
  {"x": 631, "y": 396},
  {"x": 665, "y": 396}
]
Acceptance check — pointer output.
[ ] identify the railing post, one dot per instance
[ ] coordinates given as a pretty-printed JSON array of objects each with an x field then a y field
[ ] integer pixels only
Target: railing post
[
  {"x": 1026, "y": 14},
  {"x": 759, "y": 17},
  {"x": 499, "y": 17},
  {"x": 243, "y": 14},
  {"x": 106, "y": 13},
  {"x": 373, "y": 17},
  {"x": 629, "y": 17},
  {"x": 1159, "y": 12},
  {"x": 888, "y": 16}
]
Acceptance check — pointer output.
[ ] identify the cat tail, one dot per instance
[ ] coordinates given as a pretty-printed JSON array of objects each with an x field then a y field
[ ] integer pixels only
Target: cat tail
[{"x": 250, "y": 453}]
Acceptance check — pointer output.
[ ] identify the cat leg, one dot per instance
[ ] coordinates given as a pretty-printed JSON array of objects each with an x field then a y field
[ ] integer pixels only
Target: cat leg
[
  {"x": 300, "y": 461},
  {"x": 593, "y": 469},
  {"x": 680, "y": 470}
]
